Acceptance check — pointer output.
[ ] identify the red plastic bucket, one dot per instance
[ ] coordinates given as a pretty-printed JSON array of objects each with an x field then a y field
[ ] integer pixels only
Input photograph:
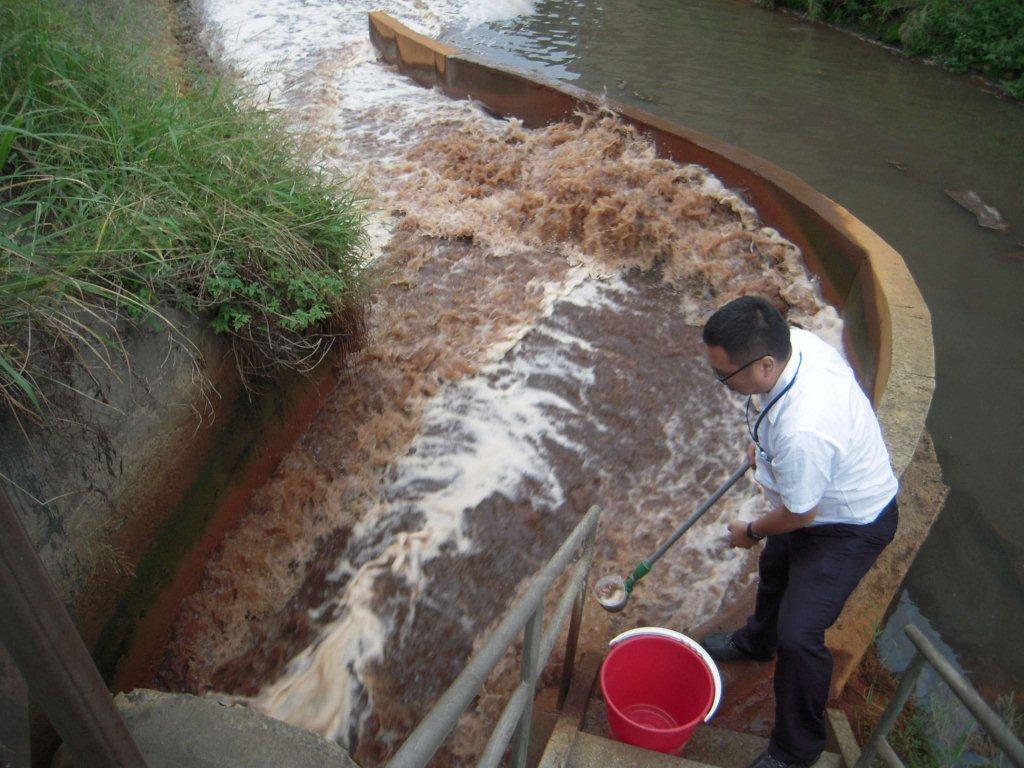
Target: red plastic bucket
[{"x": 658, "y": 685}]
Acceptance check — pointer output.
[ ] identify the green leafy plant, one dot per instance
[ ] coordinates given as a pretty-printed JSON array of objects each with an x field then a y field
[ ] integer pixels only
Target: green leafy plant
[{"x": 984, "y": 36}]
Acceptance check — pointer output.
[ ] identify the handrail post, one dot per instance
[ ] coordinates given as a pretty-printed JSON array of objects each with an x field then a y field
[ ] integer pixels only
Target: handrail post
[
  {"x": 528, "y": 673},
  {"x": 999, "y": 731},
  {"x": 46, "y": 647},
  {"x": 927, "y": 653},
  {"x": 14, "y": 714},
  {"x": 524, "y": 615},
  {"x": 572, "y": 638},
  {"x": 899, "y": 699}
]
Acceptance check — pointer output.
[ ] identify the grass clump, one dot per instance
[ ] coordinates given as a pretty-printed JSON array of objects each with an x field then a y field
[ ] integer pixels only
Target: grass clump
[
  {"x": 983, "y": 36},
  {"x": 937, "y": 732},
  {"x": 865, "y": 699},
  {"x": 127, "y": 185}
]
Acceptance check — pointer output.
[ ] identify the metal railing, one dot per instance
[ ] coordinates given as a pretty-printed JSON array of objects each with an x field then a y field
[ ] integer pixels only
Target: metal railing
[
  {"x": 999, "y": 732},
  {"x": 53, "y": 661},
  {"x": 525, "y": 615}
]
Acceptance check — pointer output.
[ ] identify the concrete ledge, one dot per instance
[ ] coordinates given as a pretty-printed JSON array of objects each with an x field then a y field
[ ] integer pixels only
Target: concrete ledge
[{"x": 181, "y": 731}]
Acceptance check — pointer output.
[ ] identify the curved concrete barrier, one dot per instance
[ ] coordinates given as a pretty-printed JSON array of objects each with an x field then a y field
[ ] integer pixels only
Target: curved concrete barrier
[{"x": 887, "y": 326}]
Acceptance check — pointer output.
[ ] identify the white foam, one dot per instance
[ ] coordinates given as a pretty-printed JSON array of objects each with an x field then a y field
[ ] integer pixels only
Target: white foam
[
  {"x": 825, "y": 323},
  {"x": 379, "y": 230},
  {"x": 497, "y": 10},
  {"x": 280, "y": 47}
]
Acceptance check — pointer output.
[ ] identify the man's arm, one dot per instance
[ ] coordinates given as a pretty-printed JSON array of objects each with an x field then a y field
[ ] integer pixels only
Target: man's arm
[
  {"x": 779, "y": 520},
  {"x": 802, "y": 469}
]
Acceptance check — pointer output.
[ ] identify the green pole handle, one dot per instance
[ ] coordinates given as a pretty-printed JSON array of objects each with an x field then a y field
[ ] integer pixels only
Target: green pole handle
[
  {"x": 645, "y": 565},
  {"x": 638, "y": 573}
]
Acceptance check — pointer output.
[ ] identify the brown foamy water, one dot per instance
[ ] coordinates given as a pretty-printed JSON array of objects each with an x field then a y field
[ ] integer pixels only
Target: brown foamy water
[
  {"x": 532, "y": 351},
  {"x": 596, "y": 193}
]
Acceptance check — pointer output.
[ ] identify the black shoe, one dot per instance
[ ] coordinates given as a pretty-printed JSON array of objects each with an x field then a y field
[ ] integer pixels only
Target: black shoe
[
  {"x": 765, "y": 760},
  {"x": 720, "y": 647}
]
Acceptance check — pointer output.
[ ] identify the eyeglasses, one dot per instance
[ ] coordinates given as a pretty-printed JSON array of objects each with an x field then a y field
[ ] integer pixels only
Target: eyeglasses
[{"x": 728, "y": 376}]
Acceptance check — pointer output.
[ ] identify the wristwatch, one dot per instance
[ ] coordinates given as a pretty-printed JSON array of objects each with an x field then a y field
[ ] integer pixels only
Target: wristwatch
[{"x": 750, "y": 532}]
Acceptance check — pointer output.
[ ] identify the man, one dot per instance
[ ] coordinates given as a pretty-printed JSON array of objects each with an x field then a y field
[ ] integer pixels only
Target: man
[{"x": 823, "y": 465}]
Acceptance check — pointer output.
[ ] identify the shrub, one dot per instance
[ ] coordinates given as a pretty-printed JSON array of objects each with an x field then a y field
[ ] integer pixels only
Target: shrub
[
  {"x": 985, "y": 36},
  {"x": 982, "y": 35}
]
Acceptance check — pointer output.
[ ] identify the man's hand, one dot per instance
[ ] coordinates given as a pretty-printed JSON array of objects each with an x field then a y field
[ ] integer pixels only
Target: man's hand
[
  {"x": 738, "y": 535},
  {"x": 780, "y": 520}
]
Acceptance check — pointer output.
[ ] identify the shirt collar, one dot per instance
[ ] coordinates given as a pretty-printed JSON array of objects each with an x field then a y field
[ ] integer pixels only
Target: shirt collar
[{"x": 783, "y": 381}]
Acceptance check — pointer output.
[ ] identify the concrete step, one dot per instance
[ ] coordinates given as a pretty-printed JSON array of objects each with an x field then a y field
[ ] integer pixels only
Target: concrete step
[
  {"x": 731, "y": 749},
  {"x": 175, "y": 730},
  {"x": 590, "y": 751},
  {"x": 577, "y": 736},
  {"x": 708, "y": 748}
]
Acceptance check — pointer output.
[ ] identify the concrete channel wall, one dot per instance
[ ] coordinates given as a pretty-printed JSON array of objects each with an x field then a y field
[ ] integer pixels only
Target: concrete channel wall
[
  {"x": 138, "y": 473},
  {"x": 887, "y": 327}
]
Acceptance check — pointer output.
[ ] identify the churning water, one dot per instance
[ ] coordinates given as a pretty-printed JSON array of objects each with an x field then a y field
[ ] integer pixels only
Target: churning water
[{"x": 533, "y": 350}]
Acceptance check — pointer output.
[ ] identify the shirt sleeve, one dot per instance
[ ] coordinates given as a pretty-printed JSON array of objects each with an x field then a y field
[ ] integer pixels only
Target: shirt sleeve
[{"x": 803, "y": 469}]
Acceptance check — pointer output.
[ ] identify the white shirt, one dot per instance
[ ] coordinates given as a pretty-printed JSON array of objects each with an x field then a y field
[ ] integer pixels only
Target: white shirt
[{"x": 822, "y": 445}]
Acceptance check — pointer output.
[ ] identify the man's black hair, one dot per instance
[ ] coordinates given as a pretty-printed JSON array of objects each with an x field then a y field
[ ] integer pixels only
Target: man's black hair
[{"x": 748, "y": 328}]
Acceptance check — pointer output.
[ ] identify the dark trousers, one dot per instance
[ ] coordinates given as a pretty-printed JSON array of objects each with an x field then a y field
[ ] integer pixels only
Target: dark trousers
[{"x": 805, "y": 578}]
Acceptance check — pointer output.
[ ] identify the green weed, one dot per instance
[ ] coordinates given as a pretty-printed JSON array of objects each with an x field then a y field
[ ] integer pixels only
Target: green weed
[{"x": 127, "y": 185}]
